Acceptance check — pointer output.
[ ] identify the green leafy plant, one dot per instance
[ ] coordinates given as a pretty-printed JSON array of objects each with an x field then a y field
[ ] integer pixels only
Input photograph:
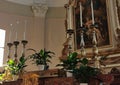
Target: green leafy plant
[
  {"x": 18, "y": 67},
  {"x": 84, "y": 72},
  {"x": 42, "y": 57},
  {"x": 70, "y": 63}
]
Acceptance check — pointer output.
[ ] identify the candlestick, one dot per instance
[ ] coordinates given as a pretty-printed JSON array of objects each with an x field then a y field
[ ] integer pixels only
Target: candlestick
[
  {"x": 94, "y": 41},
  {"x": 82, "y": 44},
  {"x": 92, "y": 10},
  {"x": 16, "y": 43},
  {"x": 24, "y": 42},
  {"x": 24, "y": 37},
  {"x": 70, "y": 43},
  {"x": 80, "y": 15},
  {"x": 9, "y": 46}
]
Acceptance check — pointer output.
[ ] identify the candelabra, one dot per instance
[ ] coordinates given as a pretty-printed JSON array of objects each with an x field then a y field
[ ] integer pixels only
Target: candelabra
[
  {"x": 9, "y": 48},
  {"x": 16, "y": 43},
  {"x": 24, "y": 42}
]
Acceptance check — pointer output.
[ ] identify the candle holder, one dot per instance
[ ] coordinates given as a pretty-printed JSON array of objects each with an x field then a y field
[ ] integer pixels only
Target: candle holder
[
  {"x": 16, "y": 43},
  {"x": 70, "y": 31},
  {"x": 70, "y": 43},
  {"x": 24, "y": 42},
  {"x": 94, "y": 41},
  {"x": 82, "y": 44},
  {"x": 97, "y": 63},
  {"x": 9, "y": 47}
]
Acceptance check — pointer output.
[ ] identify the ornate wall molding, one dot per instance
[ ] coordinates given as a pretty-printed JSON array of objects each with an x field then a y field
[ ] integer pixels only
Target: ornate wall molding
[{"x": 39, "y": 9}]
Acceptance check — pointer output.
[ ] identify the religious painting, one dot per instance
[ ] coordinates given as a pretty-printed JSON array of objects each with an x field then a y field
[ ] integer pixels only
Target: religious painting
[{"x": 101, "y": 23}]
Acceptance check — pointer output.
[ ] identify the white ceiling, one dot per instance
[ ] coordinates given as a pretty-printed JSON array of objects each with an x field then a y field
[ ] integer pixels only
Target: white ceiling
[{"x": 50, "y": 3}]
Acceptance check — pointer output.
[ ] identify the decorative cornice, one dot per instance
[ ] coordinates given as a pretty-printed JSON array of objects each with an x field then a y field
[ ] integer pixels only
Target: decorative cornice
[{"x": 39, "y": 9}]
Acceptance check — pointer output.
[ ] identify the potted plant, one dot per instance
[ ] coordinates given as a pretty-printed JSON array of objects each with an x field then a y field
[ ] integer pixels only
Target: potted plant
[
  {"x": 70, "y": 62},
  {"x": 84, "y": 72},
  {"x": 16, "y": 68},
  {"x": 42, "y": 58}
]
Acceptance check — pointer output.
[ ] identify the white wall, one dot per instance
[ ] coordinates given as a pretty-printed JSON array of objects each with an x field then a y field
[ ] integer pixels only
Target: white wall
[{"x": 41, "y": 33}]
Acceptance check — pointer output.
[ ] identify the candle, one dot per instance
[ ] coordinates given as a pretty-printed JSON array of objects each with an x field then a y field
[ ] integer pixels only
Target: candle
[
  {"x": 16, "y": 31},
  {"x": 80, "y": 15},
  {"x": 16, "y": 36},
  {"x": 70, "y": 17},
  {"x": 10, "y": 32},
  {"x": 24, "y": 36},
  {"x": 68, "y": 26},
  {"x": 92, "y": 12}
]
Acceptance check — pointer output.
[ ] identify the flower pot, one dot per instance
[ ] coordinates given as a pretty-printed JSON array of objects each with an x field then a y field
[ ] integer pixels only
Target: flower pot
[
  {"x": 69, "y": 74},
  {"x": 46, "y": 67},
  {"x": 15, "y": 77},
  {"x": 83, "y": 83},
  {"x": 41, "y": 67}
]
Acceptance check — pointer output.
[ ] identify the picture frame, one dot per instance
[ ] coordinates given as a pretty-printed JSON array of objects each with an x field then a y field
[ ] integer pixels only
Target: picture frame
[{"x": 102, "y": 22}]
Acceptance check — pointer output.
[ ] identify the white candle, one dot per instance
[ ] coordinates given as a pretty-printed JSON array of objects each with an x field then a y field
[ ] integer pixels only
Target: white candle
[
  {"x": 68, "y": 26},
  {"x": 24, "y": 36},
  {"x": 16, "y": 36},
  {"x": 16, "y": 31},
  {"x": 92, "y": 10},
  {"x": 80, "y": 14},
  {"x": 70, "y": 17},
  {"x": 10, "y": 32}
]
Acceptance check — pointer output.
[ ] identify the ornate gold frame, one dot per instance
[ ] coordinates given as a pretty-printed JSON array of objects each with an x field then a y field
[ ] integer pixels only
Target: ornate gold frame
[{"x": 109, "y": 28}]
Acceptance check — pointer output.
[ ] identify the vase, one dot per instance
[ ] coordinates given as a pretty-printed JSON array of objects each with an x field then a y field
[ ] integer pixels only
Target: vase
[{"x": 83, "y": 83}]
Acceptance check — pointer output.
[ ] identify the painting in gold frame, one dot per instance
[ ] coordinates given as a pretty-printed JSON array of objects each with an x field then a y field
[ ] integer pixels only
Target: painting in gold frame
[{"x": 103, "y": 30}]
